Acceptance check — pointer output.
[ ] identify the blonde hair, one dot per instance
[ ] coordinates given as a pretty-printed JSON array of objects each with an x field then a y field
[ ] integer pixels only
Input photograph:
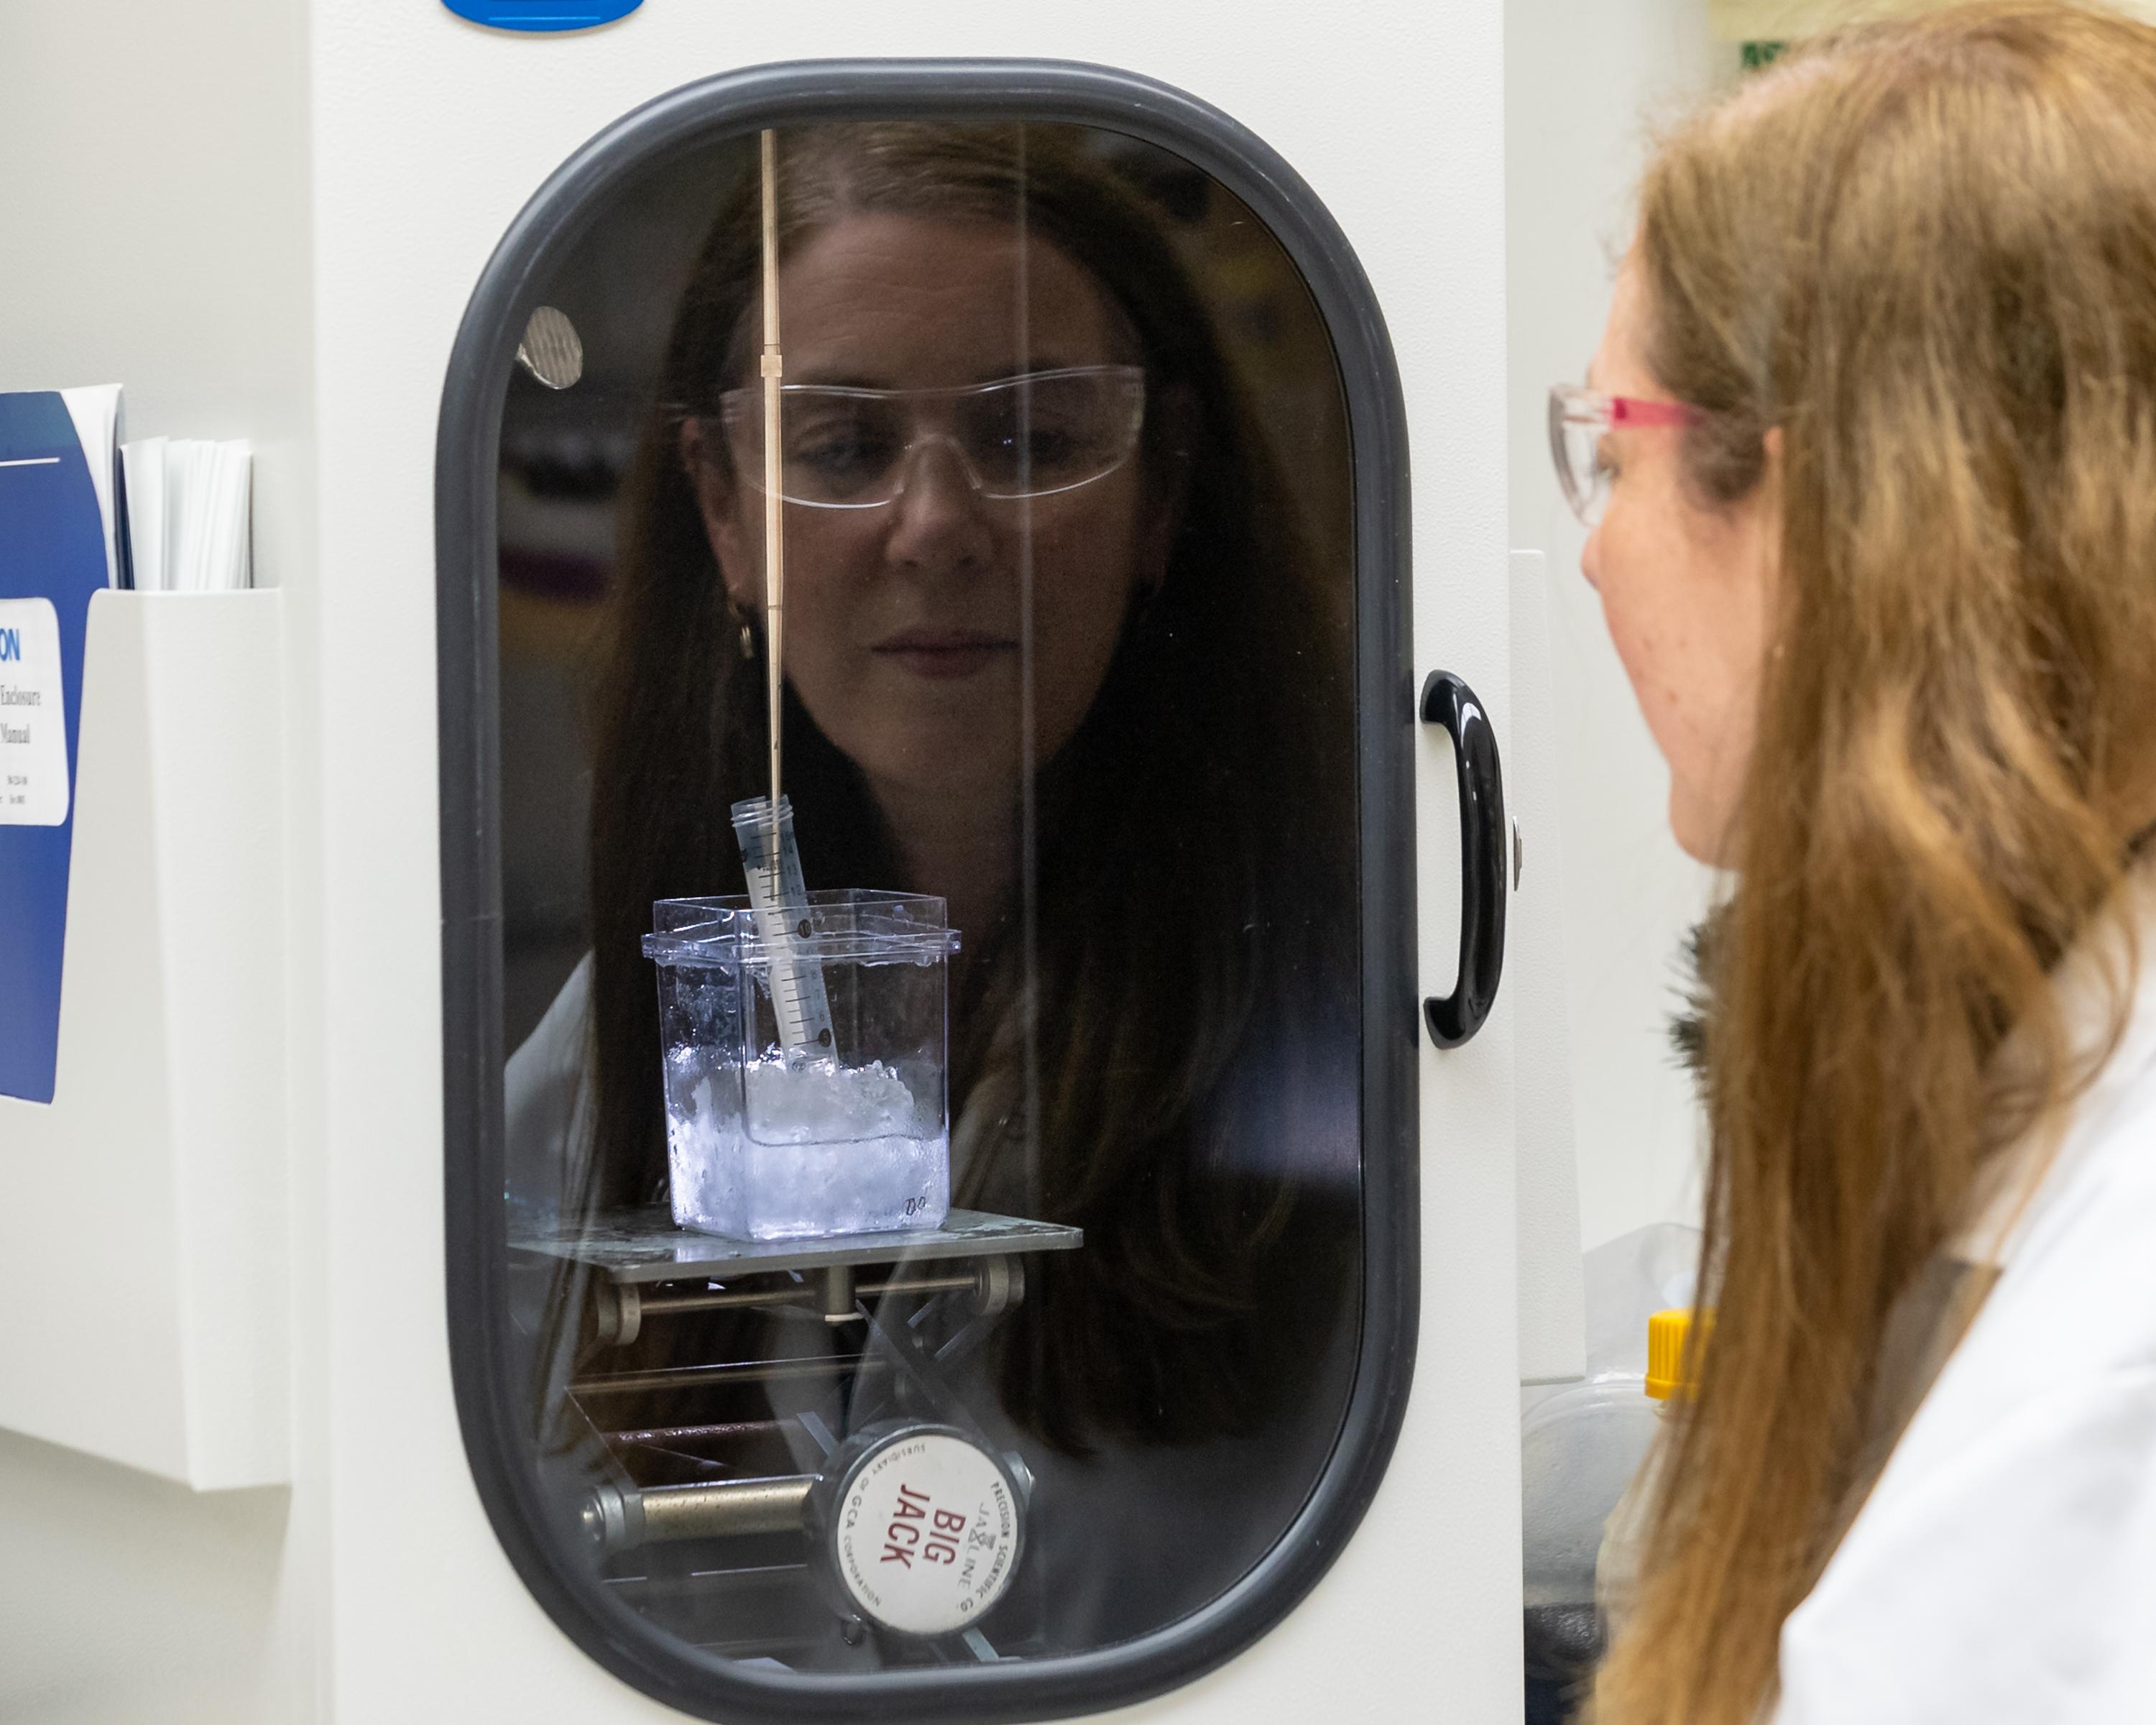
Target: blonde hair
[{"x": 1926, "y": 252}]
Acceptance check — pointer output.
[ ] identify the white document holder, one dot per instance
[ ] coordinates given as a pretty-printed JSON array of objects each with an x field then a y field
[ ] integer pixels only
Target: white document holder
[{"x": 142, "y": 1212}]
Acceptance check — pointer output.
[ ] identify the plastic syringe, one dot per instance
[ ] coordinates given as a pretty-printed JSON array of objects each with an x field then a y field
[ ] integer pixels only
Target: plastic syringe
[{"x": 780, "y": 899}]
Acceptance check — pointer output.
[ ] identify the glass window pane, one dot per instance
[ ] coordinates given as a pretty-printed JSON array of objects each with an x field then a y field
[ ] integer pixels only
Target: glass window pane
[{"x": 955, "y": 1255}]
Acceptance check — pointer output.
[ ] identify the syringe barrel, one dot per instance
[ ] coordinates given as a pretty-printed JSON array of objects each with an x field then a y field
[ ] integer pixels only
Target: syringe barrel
[
  {"x": 780, "y": 897},
  {"x": 769, "y": 855}
]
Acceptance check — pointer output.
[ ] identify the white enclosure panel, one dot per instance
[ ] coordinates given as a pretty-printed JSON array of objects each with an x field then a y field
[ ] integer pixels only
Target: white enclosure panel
[
  {"x": 265, "y": 217},
  {"x": 429, "y": 136},
  {"x": 1584, "y": 85},
  {"x": 1553, "y": 1310},
  {"x": 142, "y": 1237}
]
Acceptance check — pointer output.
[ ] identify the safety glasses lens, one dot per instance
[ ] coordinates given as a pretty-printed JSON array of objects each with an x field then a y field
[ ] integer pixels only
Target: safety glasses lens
[
  {"x": 839, "y": 447},
  {"x": 1576, "y": 432},
  {"x": 1025, "y": 437},
  {"x": 1034, "y": 435}
]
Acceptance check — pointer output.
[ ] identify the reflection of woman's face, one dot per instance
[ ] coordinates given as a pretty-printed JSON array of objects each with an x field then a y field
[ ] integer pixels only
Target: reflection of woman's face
[{"x": 903, "y": 622}]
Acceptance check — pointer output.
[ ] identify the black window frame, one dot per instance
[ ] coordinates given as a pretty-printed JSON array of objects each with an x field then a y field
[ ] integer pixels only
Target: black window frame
[{"x": 466, "y": 475}]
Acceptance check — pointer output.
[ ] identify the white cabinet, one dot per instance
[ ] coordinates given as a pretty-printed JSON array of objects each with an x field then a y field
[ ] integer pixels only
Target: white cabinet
[{"x": 266, "y": 220}]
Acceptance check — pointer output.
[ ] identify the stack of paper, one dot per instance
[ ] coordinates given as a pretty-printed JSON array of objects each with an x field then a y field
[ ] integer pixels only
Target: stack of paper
[
  {"x": 96, "y": 411},
  {"x": 187, "y": 514}
]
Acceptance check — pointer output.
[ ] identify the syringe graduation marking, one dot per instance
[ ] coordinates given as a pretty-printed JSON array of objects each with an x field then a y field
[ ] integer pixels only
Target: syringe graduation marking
[{"x": 773, "y": 864}]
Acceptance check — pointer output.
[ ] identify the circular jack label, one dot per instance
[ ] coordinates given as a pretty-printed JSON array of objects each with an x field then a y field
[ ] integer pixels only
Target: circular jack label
[{"x": 926, "y": 1535}]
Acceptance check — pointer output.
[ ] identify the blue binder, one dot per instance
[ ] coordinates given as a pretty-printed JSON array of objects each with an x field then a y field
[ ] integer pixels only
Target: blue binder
[{"x": 52, "y": 547}]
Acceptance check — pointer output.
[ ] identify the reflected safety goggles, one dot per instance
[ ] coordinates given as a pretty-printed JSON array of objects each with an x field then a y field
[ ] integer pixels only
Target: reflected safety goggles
[
  {"x": 1580, "y": 419},
  {"x": 1028, "y": 436}
]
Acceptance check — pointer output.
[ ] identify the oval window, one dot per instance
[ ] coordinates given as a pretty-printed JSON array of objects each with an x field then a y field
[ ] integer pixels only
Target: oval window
[{"x": 946, "y": 1246}]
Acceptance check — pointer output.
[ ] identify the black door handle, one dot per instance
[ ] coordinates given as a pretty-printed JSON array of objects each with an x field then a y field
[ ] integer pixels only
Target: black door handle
[{"x": 1448, "y": 701}]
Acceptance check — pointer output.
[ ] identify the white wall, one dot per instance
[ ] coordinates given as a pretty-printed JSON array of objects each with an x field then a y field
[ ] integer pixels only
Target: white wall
[
  {"x": 154, "y": 226},
  {"x": 1582, "y": 83},
  {"x": 127, "y": 1598}
]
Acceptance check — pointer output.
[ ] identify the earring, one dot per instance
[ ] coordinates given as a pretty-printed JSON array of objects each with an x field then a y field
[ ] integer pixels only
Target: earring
[{"x": 739, "y": 615}]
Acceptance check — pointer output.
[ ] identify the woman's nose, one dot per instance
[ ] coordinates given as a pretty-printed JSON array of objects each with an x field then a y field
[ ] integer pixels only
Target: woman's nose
[
  {"x": 938, "y": 525},
  {"x": 1590, "y": 558}
]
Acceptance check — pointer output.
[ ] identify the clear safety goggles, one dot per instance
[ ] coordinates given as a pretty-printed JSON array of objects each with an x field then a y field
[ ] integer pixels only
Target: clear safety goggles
[
  {"x": 1580, "y": 419},
  {"x": 1028, "y": 436}
]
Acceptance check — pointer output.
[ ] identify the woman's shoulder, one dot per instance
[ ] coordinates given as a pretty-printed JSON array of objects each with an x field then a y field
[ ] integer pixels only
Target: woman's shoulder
[
  {"x": 558, "y": 1044},
  {"x": 547, "y": 1096},
  {"x": 2004, "y": 1565},
  {"x": 2077, "y": 1228},
  {"x": 2070, "y": 1324}
]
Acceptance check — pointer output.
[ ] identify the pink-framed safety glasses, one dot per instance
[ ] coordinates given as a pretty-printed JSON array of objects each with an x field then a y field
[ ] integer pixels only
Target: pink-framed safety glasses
[{"x": 1579, "y": 420}]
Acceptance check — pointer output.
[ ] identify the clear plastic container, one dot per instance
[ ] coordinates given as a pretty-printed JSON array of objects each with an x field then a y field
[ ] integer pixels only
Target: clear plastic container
[
  {"x": 1673, "y": 1340},
  {"x": 1583, "y": 1451},
  {"x": 766, "y": 1142},
  {"x": 1625, "y": 1540},
  {"x": 1580, "y": 1449}
]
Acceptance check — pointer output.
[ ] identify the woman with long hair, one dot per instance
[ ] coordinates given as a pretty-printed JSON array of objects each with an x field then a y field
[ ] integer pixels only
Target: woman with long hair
[
  {"x": 1869, "y": 462},
  {"x": 1099, "y": 702}
]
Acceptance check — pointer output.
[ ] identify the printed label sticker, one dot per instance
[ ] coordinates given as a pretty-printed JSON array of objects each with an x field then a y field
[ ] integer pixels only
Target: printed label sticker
[{"x": 33, "y": 763}]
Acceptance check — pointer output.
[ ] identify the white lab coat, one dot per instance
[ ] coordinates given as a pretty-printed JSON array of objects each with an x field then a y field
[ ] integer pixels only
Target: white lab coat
[{"x": 2004, "y": 1567}]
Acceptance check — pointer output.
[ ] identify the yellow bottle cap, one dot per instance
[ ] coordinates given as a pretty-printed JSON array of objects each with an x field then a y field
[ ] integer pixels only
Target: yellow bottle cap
[{"x": 1671, "y": 1370}]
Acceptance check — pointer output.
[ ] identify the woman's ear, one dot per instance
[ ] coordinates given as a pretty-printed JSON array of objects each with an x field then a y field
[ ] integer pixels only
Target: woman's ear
[
  {"x": 705, "y": 459},
  {"x": 1176, "y": 422}
]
